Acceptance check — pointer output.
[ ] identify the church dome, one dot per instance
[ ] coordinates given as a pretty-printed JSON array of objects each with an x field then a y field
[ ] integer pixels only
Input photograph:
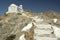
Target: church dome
[{"x": 13, "y": 5}]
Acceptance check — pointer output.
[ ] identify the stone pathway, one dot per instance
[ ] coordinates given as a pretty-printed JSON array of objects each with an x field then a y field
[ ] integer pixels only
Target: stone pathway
[{"x": 44, "y": 32}]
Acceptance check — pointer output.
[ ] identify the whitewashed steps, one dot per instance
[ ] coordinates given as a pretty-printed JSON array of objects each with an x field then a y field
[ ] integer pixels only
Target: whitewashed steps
[
  {"x": 45, "y": 35},
  {"x": 44, "y": 38},
  {"x": 43, "y": 26},
  {"x": 42, "y": 31}
]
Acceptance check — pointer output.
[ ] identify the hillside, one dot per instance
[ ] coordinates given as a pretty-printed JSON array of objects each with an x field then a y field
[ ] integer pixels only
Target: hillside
[{"x": 12, "y": 24}]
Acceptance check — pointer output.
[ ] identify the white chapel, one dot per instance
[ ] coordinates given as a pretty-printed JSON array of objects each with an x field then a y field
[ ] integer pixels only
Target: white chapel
[{"x": 14, "y": 9}]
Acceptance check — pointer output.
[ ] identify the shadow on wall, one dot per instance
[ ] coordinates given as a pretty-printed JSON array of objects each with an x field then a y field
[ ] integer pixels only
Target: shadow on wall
[{"x": 11, "y": 37}]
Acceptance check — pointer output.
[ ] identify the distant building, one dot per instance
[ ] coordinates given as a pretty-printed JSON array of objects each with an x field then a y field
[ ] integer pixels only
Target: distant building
[
  {"x": 14, "y": 9},
  {"x": 20, "y": 9},
  {"x": 55, "y": 20}
]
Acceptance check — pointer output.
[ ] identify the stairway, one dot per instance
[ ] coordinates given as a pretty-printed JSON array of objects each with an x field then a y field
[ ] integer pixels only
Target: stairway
[{"x": 44, "y": 32}]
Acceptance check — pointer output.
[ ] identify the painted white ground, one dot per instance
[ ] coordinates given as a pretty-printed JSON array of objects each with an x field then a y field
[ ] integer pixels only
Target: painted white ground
[
  {"x": 41, "y": 30},
  {"x": 45, "y": 26},
  {"x": 26, "y": 28},
  {"x": 56, "y": 31},
  {"x": 38, "y": 31},
  {"x": 22, "y": 37},
  {"x": 44, "y": 38},
  {"x": 37, "y": 19}
]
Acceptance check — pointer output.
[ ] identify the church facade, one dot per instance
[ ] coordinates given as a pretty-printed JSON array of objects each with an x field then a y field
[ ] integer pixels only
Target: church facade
[{"x": 14, "y": 9}]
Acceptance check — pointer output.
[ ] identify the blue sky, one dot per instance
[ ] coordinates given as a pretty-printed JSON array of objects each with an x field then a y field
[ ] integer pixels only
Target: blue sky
[{"x": 33, "y": 5}]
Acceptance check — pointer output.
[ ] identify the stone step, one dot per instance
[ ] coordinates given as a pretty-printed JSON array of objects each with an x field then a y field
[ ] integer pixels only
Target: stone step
[
  {"x": 45, "y": 35},
  {"x": 38, "y": 31},
  {"x": 43, "y": 26},
  {"x": 44, "y": 38}
]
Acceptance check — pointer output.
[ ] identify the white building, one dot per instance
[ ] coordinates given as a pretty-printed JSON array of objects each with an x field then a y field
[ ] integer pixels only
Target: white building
[
  {"x": 20, "y": 9},
  {"x": 14, "y": 9}
]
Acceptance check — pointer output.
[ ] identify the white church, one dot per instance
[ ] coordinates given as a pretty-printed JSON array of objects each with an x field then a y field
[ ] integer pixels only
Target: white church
[{"x": 14, "y": 9}]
